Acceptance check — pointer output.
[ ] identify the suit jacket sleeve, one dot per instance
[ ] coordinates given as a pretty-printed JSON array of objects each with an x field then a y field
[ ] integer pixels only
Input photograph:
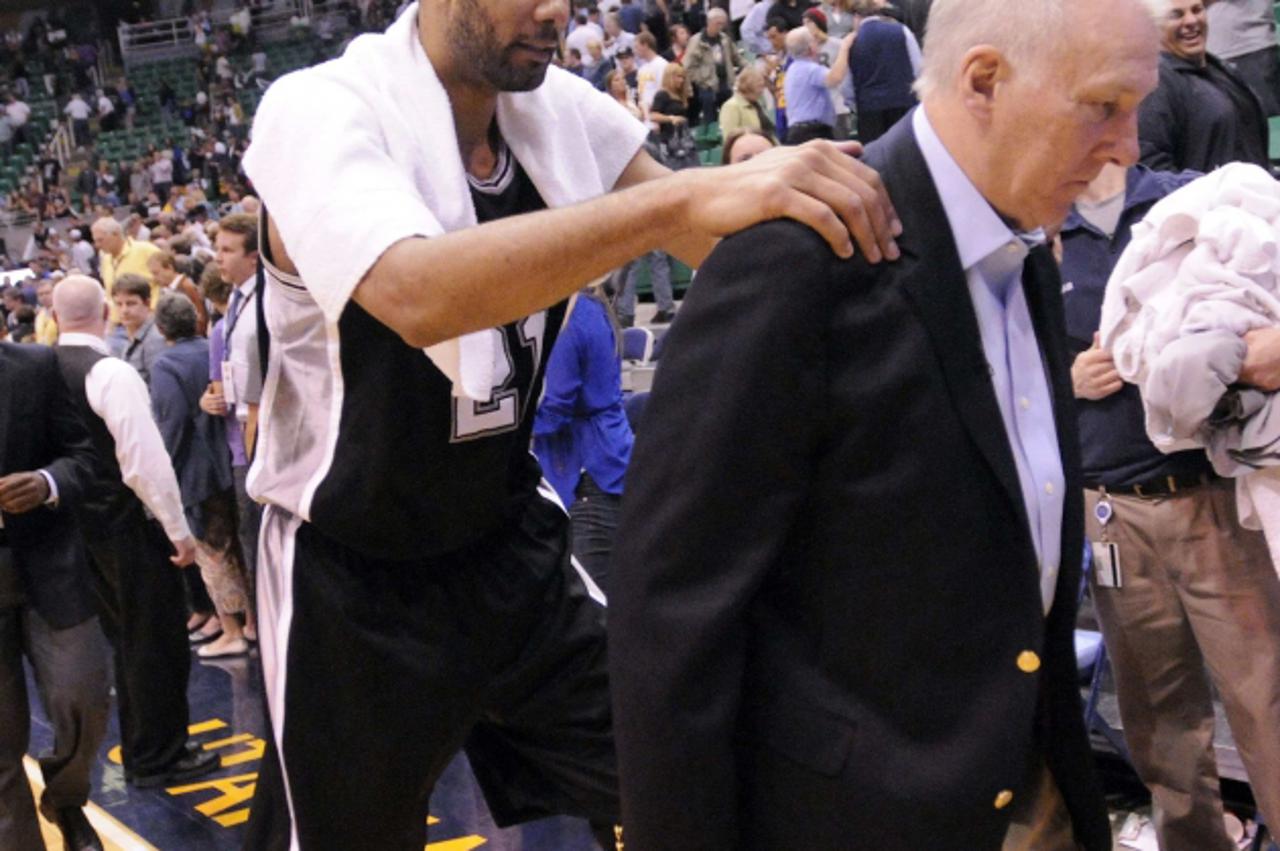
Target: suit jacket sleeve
[
  {"x": 72, "y": 468},
  {"x": 720, "y": 471}
]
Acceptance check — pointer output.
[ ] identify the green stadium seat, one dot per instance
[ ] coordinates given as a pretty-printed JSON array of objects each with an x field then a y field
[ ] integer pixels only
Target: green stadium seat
[
  {"x": 707, "y": 135},
  {"x": 1275, "y": 140}
]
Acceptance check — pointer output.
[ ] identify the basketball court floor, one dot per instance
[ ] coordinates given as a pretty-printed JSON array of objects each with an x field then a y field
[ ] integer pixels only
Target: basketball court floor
[{"x": 209, "y": 814}]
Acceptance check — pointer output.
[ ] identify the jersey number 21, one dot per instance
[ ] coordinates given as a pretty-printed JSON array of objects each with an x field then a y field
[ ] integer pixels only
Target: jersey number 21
[{"x": 503, "y": 411}]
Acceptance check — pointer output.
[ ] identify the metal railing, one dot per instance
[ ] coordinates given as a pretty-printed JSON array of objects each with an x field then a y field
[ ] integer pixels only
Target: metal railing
[
  {"x": 174, "y": 37},
  {"x": 156, "y": 40}
]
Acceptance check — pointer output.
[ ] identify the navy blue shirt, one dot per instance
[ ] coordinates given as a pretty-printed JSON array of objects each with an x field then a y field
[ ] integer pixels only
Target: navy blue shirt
[
  {"x": 631, "y": 17},
  {"x": 1114, "y": 448},
  {"x": 880, "y": 67}
]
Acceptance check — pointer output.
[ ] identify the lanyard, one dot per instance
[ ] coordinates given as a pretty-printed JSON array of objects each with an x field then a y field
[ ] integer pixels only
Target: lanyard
[{"x": 234, "y": 319}]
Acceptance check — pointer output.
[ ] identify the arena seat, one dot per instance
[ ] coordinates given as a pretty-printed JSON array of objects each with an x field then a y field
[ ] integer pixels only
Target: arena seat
[{"x": 637, "y": 345}]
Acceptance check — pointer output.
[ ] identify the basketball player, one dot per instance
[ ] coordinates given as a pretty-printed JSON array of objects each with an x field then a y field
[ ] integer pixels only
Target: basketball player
[{"x": 439, "y": 187}]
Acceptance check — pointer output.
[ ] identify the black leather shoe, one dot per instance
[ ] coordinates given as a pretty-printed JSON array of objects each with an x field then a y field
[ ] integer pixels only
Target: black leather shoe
[
  {"x": 194, "y": 763},
  {"x": 77, "y": 833}
]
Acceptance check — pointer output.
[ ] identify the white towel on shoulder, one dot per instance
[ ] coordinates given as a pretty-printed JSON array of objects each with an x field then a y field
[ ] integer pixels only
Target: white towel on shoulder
[{"x": 360, "y": 152}]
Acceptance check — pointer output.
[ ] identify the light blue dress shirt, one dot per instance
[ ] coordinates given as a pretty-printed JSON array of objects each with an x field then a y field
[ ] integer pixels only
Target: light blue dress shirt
[
  {"x": 805, "y": 88},
  {"x": 992, "y": 256}
]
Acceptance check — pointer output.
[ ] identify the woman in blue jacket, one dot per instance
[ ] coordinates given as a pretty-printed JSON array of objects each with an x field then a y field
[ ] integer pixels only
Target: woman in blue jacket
[{"x": 581, "y": 434}]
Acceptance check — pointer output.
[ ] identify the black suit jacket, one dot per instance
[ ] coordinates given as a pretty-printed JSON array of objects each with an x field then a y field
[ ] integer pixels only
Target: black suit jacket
[
  {"x": 824, "y": 578},
  {"x": 40, "y": 429}
]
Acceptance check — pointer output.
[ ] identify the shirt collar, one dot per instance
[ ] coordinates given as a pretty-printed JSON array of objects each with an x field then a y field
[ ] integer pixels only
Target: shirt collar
[
  {"x": 976, "y": 227},
  {"x": 1187, "y": 66},
  {"x": 77, "y": 338},
  {"x": 247, "y": 286}
]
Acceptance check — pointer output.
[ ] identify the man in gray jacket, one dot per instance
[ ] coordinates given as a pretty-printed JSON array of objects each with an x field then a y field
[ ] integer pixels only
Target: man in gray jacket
[
  {"x": 142, "y": 343},
  {"x": 713, "y": 62}
]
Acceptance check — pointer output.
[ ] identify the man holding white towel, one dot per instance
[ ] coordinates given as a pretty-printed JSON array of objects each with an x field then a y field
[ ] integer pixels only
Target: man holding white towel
[{"x": 415, "y": 588}]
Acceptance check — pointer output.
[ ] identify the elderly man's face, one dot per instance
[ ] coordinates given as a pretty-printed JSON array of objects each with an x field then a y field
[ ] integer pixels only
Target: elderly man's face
[
  {"x": 506, "y": 45},
  {"x": 1051, "y": 133},
  {"x": 1185, "y": 30},
  {"x": 111, "y": 243},
  {"x": 714, "y": 25}
]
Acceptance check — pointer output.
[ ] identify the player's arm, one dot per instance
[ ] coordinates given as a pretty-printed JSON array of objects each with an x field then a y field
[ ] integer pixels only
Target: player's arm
[
  {"x": 371, "y": 237},
  {"x": 431, "y": 290}
]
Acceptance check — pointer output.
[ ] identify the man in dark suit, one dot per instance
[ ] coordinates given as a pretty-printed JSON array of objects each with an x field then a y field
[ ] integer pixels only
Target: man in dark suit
[
  {"x": 46, "y": 613},
  {"x": 846, "y": 575}
]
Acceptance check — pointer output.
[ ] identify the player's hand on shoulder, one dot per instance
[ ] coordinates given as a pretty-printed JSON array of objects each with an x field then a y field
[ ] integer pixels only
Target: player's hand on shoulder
[{"x": 820, "y": 184}]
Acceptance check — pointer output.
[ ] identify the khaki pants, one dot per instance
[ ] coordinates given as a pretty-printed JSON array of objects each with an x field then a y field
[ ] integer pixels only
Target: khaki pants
[{"x": 1197, "y": 592}]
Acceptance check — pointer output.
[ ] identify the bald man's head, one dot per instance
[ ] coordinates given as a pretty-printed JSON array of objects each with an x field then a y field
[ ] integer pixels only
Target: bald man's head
[
  {"x": 79, "y": 304},
  {"x": 250, "y": 205},
  {"x": 108, "y": 235}
]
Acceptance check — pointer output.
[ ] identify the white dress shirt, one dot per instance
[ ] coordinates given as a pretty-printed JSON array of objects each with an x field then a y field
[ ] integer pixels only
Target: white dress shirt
[
  {"x": 118, "y": 395},
  {"x": 992, "y": 256},
  {"x": 241, "y": 330}
]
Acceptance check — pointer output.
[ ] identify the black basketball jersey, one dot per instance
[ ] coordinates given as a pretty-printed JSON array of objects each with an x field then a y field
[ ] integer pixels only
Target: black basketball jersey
[{"x": 414, "y": 471}]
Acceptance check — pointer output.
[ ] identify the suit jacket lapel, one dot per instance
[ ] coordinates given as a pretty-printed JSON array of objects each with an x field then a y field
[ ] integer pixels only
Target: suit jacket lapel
[
  {"x": 935, "y": 284},
  {"x": 1043, "y": 286}
]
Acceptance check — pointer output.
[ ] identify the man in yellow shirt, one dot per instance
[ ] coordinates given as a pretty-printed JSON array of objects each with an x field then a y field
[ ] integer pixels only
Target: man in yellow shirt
[
  {"x": 46, "y": 327},
  {"x": 119, "y": 255}
]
